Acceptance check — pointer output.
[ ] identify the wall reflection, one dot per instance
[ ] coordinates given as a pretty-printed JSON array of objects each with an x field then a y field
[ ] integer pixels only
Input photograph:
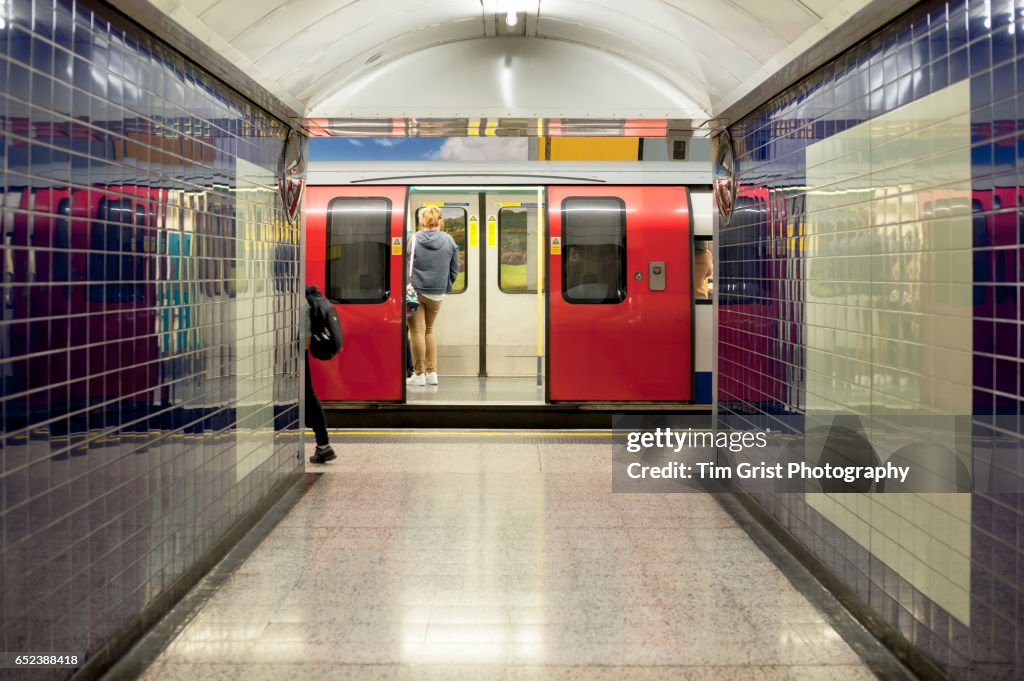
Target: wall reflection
[
  {"x": 148, "y": 322},
  {"x": 898, "y": 290}
]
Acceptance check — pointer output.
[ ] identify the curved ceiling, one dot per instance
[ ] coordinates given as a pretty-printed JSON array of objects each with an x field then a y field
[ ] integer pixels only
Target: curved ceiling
[
  {"x": 685, "y": 59},
  {"x": 505, "y": 78}
]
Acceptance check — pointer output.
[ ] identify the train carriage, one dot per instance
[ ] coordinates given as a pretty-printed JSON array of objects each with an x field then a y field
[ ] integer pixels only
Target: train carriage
[{"x": 576, "y": 292}]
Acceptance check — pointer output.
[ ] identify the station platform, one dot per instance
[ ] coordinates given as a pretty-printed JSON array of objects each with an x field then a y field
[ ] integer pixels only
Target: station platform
[
  {"x": 494, "y": 402},
  {"x": 502, "y": 556}
]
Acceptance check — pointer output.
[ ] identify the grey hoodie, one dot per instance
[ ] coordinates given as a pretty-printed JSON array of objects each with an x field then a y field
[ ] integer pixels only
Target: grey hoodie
[{"x": 436, "y": 262}]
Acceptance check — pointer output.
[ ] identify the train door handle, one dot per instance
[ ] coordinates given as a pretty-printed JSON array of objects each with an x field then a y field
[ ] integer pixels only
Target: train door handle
[{"x": 656, "y": 276}]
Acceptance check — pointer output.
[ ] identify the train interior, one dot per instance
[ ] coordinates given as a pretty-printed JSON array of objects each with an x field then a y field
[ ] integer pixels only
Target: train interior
[{"x": 491, "y": 349}]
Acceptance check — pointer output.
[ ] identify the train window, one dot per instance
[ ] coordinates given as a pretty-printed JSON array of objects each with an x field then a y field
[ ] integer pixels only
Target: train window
[
  {"x": 454, "y": 224},
  {"x": 110, "y": 262},
  {"x": 594, "y": 250},
  {"x": 740, "y": 261},
  {"x": 62, "y": 242},
  {"x": 703, "y": 270},
  {"x": 139, "y": 249},
  {"x": 517, "y": 250},
  {"x": 358, "y": 250}
]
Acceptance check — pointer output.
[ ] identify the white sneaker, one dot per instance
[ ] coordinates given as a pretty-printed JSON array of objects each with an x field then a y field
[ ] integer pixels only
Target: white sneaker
[
  {"x": 416, "y": 379},
  {"x": 432, "y": 378}
]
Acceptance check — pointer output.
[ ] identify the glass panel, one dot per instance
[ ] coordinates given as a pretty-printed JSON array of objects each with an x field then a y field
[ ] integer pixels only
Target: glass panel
[
  {"x": 517, "y": 250},
  {"x": 703, "y": 269},
  {"x": 358, "y": 250},
  {"x": 454, "y": 224},
  {"x": 594, "y": 250}
]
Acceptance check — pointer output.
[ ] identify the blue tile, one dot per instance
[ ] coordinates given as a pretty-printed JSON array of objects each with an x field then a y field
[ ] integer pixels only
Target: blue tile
[
  {"x": 938, "y": 41},
  {"x": 1002, "y": 14},
  {"x": 920, "y": 55},
  {"x": 1003, "y": 45},
  {"x": 20, "y": 13},
  {"x": 980, "y": 55},
  {"x": 958, "y": 65},
  {"x": 956, "y": 28},
  {"x": 938, "y": 73},
  {"x": 979, "y": 20},
  {"x": 1004, "y": 79},
  {"x": 77, "y": 387}
]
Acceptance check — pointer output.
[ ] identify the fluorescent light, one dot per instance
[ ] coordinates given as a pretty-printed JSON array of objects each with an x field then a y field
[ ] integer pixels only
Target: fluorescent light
[{"x": 511, "y": 19}]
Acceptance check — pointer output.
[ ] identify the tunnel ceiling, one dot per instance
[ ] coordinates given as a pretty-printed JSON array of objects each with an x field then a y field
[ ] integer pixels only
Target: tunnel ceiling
[{"x": 679, "y": 59}]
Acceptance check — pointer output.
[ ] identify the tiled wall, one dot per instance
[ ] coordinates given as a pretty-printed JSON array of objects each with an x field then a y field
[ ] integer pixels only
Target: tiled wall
[
  {"x": 872, "y": 268},
  {"x": 148, "y": 338}
]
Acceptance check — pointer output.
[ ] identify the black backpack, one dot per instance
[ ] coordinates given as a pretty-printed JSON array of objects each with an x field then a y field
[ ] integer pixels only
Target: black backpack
[{"x": 324, "y": 327}]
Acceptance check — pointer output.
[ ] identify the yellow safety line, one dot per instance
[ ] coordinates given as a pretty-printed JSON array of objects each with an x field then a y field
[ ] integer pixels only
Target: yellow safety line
[{"x": 470, "y": 433}]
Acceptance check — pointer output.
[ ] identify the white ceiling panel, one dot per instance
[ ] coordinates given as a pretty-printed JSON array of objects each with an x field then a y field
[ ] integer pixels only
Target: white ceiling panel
[
  {"x": 721, "y": 24},
  {"x": 511, "y": 77},
  {"x": 729, "y": 66},
  {"x": 308, "y": 25},
  {"x": 682, "y": 53},
  {"x": 686, "y": 71},
  {"x": 338, "y": 67},
  {"x": 820, "y": 7},
  {"x": 231, "y": 18},
  {"x": 785, "y": 18},
  {"x": 417, "y": 25}
]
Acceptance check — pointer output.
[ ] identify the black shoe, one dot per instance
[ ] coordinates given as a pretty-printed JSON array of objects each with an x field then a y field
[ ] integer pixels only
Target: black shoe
[{"x": 323, "y": 455}]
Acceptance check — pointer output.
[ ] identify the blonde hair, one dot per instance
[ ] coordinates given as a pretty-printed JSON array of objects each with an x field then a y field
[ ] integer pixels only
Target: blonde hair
[{"x": 431, "y": 218}]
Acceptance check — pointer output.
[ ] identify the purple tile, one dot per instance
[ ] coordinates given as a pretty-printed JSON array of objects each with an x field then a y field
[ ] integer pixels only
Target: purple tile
[
  {"x": 983, "y": 371},
  {"x": 1006, "y": 377},
  {"x": 1005, "y": 337}
]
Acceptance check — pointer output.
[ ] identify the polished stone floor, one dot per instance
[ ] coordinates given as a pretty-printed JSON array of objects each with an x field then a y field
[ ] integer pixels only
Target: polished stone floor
[
  {"x": 502, "y": 559},
  {"x": 492, "y": 390}
]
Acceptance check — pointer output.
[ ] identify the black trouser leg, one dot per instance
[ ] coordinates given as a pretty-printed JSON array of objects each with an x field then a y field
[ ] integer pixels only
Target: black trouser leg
[{"x": 314, "y": 412}]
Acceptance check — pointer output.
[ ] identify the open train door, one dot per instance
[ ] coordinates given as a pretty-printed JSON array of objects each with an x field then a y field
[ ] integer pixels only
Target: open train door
[
  {"x": 620, "y": 294},
  {"x": 354, "y": 250}
]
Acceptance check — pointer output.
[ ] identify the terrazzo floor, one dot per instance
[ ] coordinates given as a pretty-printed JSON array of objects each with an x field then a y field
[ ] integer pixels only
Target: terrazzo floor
[
  {"x": 502, "y": 561},
  {"x": 491, "y": 390}
]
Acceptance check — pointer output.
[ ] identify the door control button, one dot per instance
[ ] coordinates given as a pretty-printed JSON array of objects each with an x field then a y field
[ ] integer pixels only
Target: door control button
[{"x": 656, "y": 275}]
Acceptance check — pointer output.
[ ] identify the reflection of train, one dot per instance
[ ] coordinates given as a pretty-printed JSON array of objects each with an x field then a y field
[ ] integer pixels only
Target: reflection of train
[
  {"x": 752, "y": 254},
  {"x": 764, "y": 351},
  {"x": 612, "y": 320},
  {"x": 118, "y": 261}
]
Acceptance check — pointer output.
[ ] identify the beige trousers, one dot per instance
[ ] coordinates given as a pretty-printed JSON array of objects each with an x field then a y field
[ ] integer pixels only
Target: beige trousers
[{"x": 421, "y": 328}]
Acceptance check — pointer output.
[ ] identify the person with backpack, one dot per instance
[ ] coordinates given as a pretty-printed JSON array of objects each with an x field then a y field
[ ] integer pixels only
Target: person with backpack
[
  {"x": 434, "y": 265},
  {"x": 321, "y": 334}
]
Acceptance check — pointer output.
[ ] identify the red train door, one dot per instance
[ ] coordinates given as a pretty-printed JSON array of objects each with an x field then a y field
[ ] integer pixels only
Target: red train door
[
  {"x": 620, "y": 297},
  {"x": 354, "y": 256}
]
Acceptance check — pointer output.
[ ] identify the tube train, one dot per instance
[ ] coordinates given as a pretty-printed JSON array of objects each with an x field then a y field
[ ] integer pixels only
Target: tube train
[
  {"x": 582, "y": 280},
  {"x": 132, "y": 267},
  {"x": 599, "y": 329}
]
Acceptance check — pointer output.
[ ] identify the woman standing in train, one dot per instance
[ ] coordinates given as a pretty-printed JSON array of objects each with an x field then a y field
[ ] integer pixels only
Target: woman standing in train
[
  {"x": 435, "y": 265},
  {"x": 702, "y": 269}
]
